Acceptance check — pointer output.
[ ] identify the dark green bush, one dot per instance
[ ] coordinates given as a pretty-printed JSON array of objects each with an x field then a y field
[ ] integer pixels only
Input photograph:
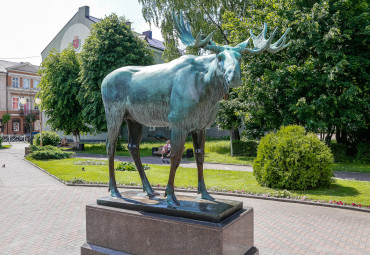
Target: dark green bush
[
  {"x": 121, "y": 144},
  {"x": 49, "y": 152},
  {"x": 245, "y": 148},
  {"x": 1, "y": 141},
  {"x": 48, "y": 138},
  {"x": 363, "y": 153},
  {"x": 129, "y": 166},
  {"x": 339, "y": 152},
  {"x": 292, "y": 159}
]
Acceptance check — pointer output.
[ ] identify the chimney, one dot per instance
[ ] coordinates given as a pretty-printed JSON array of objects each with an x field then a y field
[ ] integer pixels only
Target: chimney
[
  {"x": 148, "y": 34},
  {"x": 84, "y": 10}
]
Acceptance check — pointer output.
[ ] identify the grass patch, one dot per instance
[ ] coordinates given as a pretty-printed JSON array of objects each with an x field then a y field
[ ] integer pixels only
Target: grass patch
[
  {"x": 347, "y": 191},
  {"x": 217, "y": 151},
  {"x": 5, "y": 146},
  {"x": 351, "y": 167}
]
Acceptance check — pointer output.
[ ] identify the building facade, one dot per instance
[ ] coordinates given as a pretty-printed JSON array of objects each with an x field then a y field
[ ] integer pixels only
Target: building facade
[{"x": 18, "y": 88}]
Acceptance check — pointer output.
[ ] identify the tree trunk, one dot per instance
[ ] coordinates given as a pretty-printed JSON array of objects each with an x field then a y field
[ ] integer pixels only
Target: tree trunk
[
  {"x": 341, "y": 136},
  {"x": 328, "y": 136},
  {"x": 76, "y": 138},
  {"x": 234, "y": 134}
]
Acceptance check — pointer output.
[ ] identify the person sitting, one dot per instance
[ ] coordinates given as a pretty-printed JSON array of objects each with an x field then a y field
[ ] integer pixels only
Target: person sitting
[
  {"x": 64, "y": 142},
  {"x": 166, "y": 150}
]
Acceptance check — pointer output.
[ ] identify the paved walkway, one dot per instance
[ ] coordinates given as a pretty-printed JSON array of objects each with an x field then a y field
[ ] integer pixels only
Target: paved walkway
[
  {"x": 39, "y": 215},
  {"x": 219, "y": 166}
]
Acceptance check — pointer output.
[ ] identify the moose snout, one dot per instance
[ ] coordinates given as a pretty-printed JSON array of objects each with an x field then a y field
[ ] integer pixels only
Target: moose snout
[{"x": 232, "y": 77}]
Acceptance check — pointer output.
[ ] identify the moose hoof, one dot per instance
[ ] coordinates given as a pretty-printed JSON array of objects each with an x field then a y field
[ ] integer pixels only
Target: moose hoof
[
  {"x": 207, "y": 196},
  {"x": 172, "y": 201},
  {"x": 115, "y": 193}
]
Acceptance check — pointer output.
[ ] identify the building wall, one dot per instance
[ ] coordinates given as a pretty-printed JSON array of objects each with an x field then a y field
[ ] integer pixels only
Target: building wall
[
  {"x": 2, "y": 92},
  {"x": 79, "y": 26},
  {"x": 8, "y": 92}
]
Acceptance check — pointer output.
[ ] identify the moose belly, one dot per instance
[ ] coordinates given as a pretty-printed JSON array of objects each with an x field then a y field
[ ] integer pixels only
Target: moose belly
[{"x": 154, "y": 116}]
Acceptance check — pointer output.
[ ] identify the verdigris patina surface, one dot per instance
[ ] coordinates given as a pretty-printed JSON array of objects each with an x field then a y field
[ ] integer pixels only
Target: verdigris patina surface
[{"x": 182, "y": 94}]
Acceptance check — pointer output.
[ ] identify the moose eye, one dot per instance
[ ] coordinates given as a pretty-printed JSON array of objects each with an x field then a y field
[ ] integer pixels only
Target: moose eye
[{"x": 220, "y": 57}]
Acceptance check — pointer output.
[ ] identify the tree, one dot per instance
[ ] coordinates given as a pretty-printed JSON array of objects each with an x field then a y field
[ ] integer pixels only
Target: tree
[
  {"x": 228, "y": 116},
  {"x": 321, "y": 81},
  {"x": 5, "y": 120},
  {"x": 202, "y": 15},
  {"x": 110, "y": 45},
  {"x": 59, "y": 88}
]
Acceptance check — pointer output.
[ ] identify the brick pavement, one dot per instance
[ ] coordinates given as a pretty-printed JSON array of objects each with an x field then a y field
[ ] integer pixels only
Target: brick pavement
[{"x": 39, "y": 215}]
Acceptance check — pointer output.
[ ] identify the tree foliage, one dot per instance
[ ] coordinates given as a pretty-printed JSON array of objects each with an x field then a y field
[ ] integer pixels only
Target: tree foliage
[
  {"x": 5, "y": 120},
  {"x": 59, "y": 87},
  {"x": 110, "y": 45},
  {"x": 321, "y": 81}
]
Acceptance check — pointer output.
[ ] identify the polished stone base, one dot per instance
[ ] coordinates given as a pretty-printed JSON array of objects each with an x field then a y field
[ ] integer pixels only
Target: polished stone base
[
  {"x": 120, "y": 231},
  {"x": 191, "y": 207}
]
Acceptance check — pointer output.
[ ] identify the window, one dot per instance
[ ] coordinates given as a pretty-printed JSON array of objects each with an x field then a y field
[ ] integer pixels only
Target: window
[
  {"x": 16, "y": 125},
  {"x": 35, "y": 83},
  {"x": 151, "y": 128},
  {"x": 36, "y": 107},
  {"x": 168, "y": 128},
  {"x": 15, "y": 103},
  {"x": 15, "y": 82},
  {"x": 26, "y": 83}
]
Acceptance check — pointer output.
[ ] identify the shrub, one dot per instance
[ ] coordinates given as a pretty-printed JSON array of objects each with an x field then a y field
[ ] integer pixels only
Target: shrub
[
  {"x": 339, "y": 151},
  {"x": 121, "y": 144},
  {"x": 48, "y": 138},
  {"x": 1, "y": 141},
  {"x": 49, "y": 152},
  {"x": 128, "y": 166},
  {"x": 245, "y": 148},
  {"x": 292, "y": 159},
  {"x": 363, "y": 153}
]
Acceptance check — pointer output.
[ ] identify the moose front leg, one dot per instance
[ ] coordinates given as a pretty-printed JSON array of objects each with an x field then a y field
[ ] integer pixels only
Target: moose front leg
[
  {"x": 178, "y": 138},
  {"x": 199, "y": 139}
]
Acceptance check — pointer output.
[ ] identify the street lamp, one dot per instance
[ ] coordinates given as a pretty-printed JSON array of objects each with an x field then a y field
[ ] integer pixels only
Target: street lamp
[{"x": 38, "y": 102}]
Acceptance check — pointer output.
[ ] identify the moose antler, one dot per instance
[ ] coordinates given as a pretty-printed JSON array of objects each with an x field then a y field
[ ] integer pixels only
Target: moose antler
[
  {"x": 184, "y": 33},
  {"x": 261, "y": 43}
]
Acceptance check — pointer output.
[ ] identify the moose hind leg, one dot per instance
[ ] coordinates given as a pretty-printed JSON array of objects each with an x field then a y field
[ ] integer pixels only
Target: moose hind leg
[
  {"x": 114, "y": 124},
  {"x": 134, "y": 138},
  {"x": 178, "y": 138},
  {"x": 199, "y": 139}
]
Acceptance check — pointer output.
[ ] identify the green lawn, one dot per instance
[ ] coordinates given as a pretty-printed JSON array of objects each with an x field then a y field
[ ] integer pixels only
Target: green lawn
[
  {"x": 5, "y": 146},
  {"x": 347, "y": 191},
  {"x": 215, "y": 151}
]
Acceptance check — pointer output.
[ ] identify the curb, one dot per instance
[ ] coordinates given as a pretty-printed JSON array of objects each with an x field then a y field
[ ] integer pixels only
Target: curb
[{"x": 211, "y": 192}]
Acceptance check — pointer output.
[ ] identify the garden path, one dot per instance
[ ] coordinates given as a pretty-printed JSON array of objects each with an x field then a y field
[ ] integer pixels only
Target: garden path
[{"x": 219, "y": 166}]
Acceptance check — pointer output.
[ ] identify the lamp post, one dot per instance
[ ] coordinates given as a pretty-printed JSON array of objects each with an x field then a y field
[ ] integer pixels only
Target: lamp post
[{"x": 38, "y": 102}]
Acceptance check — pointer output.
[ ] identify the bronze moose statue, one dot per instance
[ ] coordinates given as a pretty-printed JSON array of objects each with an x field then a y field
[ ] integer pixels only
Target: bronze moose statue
[{"x": 182, "y": 94}]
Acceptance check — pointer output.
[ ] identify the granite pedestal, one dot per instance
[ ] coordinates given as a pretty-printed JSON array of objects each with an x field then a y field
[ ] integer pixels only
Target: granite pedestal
[{"x": 114, "y": 230}]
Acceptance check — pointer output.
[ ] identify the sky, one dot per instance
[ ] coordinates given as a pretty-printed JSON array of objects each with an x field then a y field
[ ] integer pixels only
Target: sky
[{"x": 27, "y": 26}]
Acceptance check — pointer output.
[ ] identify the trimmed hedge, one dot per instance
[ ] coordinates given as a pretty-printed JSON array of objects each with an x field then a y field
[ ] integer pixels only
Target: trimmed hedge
[
  {"x": 363, "y": 153},
  {"x": 245, "y": 148},
  {"x": 49, "y": 152},
  {"x": 292, "y": 159},
  {"x": 48, "y": 138}
]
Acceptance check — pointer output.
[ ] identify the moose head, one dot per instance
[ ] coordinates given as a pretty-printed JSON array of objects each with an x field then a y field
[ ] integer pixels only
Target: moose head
[
  {"x": 228, "y": 57},
  {"x": 182, "y": 94}
]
